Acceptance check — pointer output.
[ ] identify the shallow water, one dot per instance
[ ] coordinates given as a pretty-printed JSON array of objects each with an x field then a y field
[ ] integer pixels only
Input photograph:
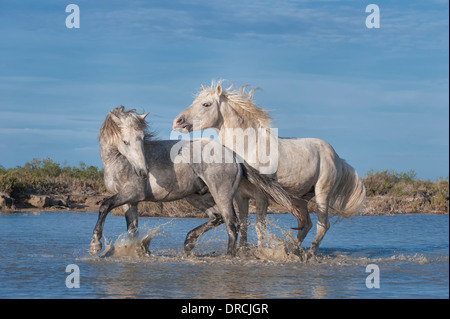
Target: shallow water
[{"x": 411, "y": 253}]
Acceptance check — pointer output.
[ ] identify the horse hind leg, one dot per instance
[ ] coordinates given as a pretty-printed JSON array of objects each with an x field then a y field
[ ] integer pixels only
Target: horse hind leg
[
  {"x": 242, "y": 203},
  {"x": 204, "y": 202},
  {"x": 223, "y": 192},
  {"x": 226, "y": 208},
  {"x": 231, "y": 226},
  {"x": 302, "y": 206},
  {"x": 194, "y": 234},
  {"x": 323, "y": 224},
  {"x": 261, "y": 203},
  {"x": 245, "y": 192}
]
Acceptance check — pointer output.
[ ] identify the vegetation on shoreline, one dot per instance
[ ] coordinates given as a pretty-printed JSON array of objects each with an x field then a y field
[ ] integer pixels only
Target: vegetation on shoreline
[
  {"x": 431, "y": 196},
  {"x": 46, "y": 177}
]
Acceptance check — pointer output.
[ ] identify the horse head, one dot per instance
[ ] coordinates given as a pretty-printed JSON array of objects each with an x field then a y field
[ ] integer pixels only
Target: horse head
[{"x": 126, "y": 131}]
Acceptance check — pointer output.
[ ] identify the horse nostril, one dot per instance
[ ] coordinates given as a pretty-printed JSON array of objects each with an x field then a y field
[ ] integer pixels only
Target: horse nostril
[
  {"x": 143, "y": 173},
  {"x": 180, "y": 120}
]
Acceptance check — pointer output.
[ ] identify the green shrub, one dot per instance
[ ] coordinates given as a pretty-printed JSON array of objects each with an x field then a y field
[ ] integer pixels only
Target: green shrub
[
  {"x": 48, "y": 177},
  {"x": 434, "y": 195}
]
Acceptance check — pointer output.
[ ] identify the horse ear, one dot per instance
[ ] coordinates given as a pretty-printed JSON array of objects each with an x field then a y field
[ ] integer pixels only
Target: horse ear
[
  {"x": 218, "y": 89},
  {"x": 143, "y": 116},
  {"x": 115, "y": 118},
  {"x": 203, "y": 88}
]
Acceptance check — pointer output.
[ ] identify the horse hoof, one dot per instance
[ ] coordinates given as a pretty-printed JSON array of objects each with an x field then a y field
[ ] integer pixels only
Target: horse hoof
[
  {"x": 95, "y": 248},
  {"x": 188, "y": 252},
  {"x": 309, "y": 255}
]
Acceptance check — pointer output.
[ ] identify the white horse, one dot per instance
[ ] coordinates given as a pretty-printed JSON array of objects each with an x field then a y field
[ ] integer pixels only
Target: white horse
[
  {"x": 139, "y": 168},
  {"x": 305, "y": 167}
]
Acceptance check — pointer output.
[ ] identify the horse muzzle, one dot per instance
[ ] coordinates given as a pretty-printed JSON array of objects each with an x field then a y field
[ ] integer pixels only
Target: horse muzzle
[
  {"x": 143, "y": 173},
  {"x": 180, "y": 125}
]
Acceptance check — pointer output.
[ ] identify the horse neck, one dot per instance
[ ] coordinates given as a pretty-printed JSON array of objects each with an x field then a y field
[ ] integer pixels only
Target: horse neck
[
  {"x": 232, "y": 125},
  {"x": 109, "y": 155}
]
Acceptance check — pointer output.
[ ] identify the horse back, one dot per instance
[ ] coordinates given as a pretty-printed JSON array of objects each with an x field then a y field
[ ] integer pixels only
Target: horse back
[{"x": 303, "y": 161}]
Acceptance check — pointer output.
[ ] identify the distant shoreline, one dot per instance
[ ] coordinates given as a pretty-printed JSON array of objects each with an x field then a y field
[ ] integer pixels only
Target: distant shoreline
[
  {"x": 83, "y": 203},
  {"x": 44, "y": 185}
]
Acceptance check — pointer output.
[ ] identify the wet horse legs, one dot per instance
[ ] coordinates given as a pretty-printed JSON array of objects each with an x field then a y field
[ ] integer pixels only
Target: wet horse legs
[
  {"x": 205, "y": 203},
  {"x": 107, "y": 205},
  {"x": 131, "y": 216}
]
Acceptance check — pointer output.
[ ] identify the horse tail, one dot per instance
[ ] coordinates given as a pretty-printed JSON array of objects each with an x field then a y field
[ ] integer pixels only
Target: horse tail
[
  {"x": 348, "y": 197},
  {"x": 272, "y": 189}
]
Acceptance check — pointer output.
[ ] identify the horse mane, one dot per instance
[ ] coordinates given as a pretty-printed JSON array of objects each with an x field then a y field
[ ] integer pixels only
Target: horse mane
[
  {"x": 242, "y": 103},
  {"x": 110, "y": 132}
]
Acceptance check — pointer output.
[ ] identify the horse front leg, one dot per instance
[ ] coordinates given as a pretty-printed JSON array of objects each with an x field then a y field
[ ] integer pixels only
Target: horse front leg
[
  {"x": 107, "y": 205},
  {"x": 131, "y": 216}
]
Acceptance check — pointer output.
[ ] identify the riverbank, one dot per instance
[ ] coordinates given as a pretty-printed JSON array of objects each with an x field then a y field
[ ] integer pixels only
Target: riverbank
[
  {"x": 44, "y": 185},
  {"x": 83, "y": 203}
]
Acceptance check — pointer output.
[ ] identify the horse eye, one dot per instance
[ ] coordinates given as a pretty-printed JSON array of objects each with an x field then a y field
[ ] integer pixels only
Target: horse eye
[
  {"x": 126, "y": 143},
  {"x": 206, "y": 104}
]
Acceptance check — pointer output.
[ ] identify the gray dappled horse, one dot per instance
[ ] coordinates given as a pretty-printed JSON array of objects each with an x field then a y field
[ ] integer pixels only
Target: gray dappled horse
[
  {"x": 305, "y": 167},
  {"x": 138, "y": 168}
]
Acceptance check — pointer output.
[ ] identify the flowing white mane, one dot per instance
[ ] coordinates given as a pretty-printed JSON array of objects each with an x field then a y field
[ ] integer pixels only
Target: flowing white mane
[{"x": 242, "y": 103}]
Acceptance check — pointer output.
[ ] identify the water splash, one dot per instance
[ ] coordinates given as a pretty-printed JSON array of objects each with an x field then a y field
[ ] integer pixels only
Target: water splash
[
  {"x": 278, "y": 246},
  {"x": 274, "y": 247},
  {"x": 132, "y": 245}
]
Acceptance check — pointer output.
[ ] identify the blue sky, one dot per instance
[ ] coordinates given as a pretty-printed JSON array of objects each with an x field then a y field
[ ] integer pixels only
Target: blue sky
[{"x": 379, "y": 96}]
